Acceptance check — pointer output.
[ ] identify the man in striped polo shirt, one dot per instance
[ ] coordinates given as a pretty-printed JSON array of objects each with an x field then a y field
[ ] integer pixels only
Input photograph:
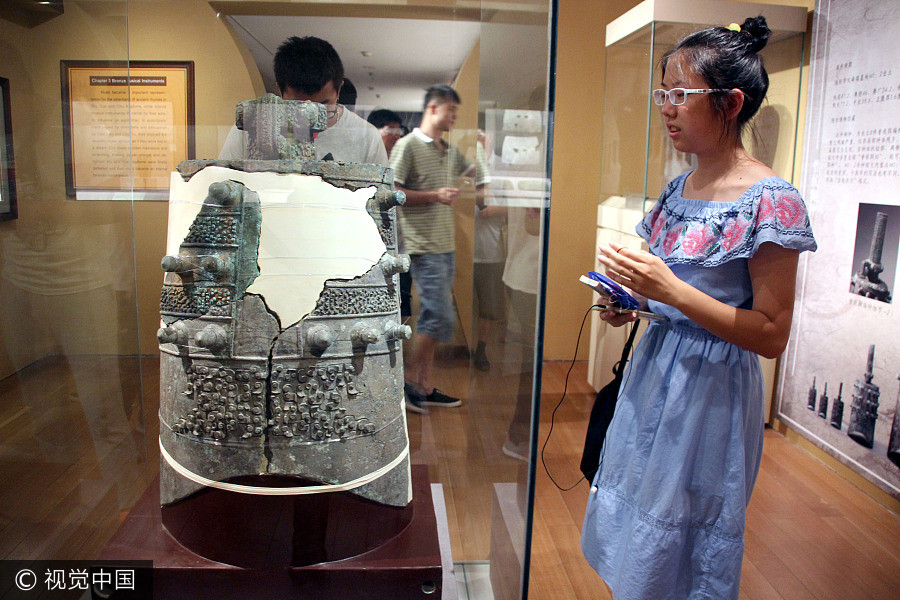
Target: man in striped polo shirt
[{"x": 427, "y": 169}]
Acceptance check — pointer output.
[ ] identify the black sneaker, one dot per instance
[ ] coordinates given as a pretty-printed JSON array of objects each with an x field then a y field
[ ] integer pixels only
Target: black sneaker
[
  {"x": 439, "y": 398},
  {"x": 414, "y": 400}
]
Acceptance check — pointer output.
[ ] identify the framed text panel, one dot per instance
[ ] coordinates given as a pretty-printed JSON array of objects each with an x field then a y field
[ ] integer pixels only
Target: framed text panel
[{"x": 126, "y": 125}]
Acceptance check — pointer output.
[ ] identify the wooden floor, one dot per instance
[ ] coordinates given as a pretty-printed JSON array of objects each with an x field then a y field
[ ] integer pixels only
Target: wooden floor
[
  {"x": 69, "y": 476},
  {"x": 73, "y": 454},
  {"x": 810, "y": 533}
]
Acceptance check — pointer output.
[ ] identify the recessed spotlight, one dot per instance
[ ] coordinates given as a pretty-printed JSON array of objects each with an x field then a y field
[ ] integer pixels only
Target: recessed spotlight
[{"x": 366, "y": 53}]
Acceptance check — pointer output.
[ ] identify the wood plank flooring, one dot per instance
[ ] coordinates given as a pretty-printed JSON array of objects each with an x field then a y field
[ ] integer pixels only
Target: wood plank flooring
[
  {"x": 73, "y": 454},
  {"x": 810, "y": 533}
]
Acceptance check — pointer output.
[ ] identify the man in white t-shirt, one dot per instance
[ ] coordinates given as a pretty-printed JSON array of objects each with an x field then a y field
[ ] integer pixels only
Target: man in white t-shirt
[{"x": 309, "y": 68}]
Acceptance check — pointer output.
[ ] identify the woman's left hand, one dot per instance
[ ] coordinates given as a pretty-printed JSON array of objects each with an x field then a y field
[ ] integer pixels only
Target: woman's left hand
[{"x": 641, "y": 272}]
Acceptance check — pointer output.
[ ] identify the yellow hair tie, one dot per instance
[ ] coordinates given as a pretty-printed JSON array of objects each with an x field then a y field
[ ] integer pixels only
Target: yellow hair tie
[{"x": 734, "y": 27}]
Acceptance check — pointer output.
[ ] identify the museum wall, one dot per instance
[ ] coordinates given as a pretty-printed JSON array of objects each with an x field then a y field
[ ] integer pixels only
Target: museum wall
[
  {"x": 55, "y": 245},
  {"x": 104, "y": 245},
  {"x": 577, "y": 145}
]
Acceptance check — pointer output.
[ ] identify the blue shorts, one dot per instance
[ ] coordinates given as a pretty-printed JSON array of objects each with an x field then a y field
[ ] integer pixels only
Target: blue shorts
[{"x": 432, "y": 274}]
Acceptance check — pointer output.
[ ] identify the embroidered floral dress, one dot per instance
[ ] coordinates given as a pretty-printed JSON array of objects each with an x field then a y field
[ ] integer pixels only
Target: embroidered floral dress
[{"x": 665, "y": 515}]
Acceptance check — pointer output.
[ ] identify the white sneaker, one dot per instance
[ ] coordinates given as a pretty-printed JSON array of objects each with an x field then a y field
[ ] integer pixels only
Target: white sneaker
[{"x": 516, "y": 451}]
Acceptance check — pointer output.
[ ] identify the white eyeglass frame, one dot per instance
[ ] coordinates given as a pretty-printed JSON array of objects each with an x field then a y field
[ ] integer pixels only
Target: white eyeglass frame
[{"x": 661, "y": 94}]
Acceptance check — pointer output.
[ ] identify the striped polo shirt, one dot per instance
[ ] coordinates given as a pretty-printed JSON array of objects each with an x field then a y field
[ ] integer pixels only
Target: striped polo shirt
[{"x": 419, "y": 164}]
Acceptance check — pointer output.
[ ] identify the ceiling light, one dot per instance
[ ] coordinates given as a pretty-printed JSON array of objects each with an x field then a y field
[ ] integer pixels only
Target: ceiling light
[{"x": 366, "y": 53}]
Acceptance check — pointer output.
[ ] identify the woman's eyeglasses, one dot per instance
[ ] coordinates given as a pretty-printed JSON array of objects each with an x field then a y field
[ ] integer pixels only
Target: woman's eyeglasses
[{"x": 677, "y": 96}]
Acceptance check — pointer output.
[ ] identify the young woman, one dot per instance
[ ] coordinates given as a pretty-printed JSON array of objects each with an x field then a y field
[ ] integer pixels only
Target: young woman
[{"x": 665, "y": 516}]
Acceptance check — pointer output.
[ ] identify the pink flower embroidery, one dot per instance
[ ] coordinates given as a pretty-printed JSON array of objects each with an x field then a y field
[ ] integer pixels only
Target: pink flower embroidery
[
  {"x": 766, "y": 210},
  {"x": 697, "y": 240},
  {"x": 734, "y": 233},
  {"x": 658, "y": 226},
  {"x": 671, "y": 239},
  {"x": 789, "y": 210}
]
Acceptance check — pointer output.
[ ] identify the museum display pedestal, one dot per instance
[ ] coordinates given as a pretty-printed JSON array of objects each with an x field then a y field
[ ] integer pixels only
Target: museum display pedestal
[{"x": 272, "y": 536}]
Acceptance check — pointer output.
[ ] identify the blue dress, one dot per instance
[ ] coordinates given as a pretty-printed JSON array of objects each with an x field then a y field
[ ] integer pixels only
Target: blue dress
[{"x": 665, "y": 516}]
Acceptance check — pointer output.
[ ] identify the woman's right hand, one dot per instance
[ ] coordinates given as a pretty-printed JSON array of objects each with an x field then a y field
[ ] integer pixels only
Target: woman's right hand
[{"x": 617, "y": 319}]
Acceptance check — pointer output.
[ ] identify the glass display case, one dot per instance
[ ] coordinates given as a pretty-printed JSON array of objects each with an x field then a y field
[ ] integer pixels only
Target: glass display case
[
  {"x": 638, "y": 160},
  {"x": 143, "y": 85}
]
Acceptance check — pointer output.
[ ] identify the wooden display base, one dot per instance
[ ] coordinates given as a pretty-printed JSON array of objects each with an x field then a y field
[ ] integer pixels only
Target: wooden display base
[{"x": 405, "y": 566}]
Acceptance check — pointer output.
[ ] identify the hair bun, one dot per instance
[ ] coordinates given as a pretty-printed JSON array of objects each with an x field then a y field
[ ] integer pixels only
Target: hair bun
[{"x": 757, "y": 30}]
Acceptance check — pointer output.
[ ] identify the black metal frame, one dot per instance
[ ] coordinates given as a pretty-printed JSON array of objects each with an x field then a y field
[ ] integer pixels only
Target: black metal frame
[{"x": 9, "y": 209}]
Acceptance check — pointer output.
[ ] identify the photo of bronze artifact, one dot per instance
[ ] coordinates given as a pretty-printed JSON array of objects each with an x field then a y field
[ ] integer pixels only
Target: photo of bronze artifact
[{"x": 875, "y": 256}]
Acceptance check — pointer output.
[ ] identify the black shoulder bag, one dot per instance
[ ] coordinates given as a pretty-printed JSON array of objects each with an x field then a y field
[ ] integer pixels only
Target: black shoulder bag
[{"x": 602, "y": 412}]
